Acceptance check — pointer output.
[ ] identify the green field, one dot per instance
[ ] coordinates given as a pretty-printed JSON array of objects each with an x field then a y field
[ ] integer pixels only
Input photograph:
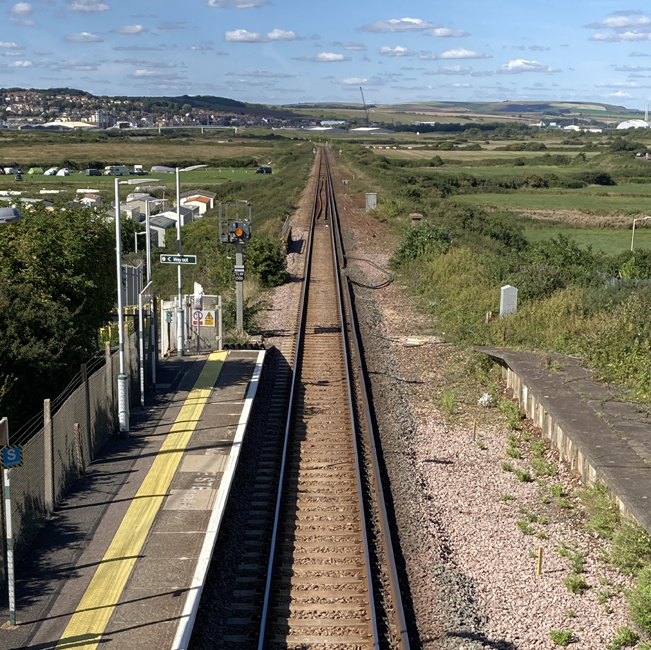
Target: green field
[
  {"x": 608, "y": 240},
  {"x": 591, "y": 202}
]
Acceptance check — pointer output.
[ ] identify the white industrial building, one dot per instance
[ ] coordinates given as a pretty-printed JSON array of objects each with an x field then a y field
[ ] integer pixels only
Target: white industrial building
[{"x": 634, "y": 124}]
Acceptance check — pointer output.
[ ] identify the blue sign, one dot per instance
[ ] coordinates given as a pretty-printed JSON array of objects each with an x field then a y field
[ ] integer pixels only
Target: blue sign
[{"x": 12, "y": 457}]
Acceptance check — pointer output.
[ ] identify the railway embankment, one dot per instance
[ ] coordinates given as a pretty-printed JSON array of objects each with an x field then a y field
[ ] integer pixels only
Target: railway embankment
[{"x": 600, "y": 436}]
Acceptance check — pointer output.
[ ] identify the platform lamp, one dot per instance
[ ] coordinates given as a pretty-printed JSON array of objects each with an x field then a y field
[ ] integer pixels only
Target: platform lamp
[{"x": 9, "y": 216}]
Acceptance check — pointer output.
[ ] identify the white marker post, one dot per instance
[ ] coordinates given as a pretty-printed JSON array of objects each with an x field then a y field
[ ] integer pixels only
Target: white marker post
[{"x": 11, "y": 580}]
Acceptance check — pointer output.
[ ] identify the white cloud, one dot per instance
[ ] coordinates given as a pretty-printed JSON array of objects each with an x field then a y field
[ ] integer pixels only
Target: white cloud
[
  {"x": 522, "y": 65},
  {"x": 21, "y": 9},
  {"x": 324, "y": 57},
  {"x": 446, "y": 32},
  {"x": 620, "y": 95},
  {"x": 396, "y": 51},
  {"x": 261, "y": 74},
  {"x": 149, "y": 64},
  {"x": 11, "y": 46},
  {"x": 618, "y": 84},
  {"x": 88, "y": 6},
  {"x": 458, "y": 53},
  {"x": 281, "y": 35},
  {"x": 131, "y": 30},
  {"x": 399, "y": 25},
  {"x": 144, "y": 73},
  {"x": 619, "y": 22},
  {"x": 237, "y": 4},
  {"x": 451, "y": 70},
  {"x": 176, "y": 24},
  {"x": 83, "y": 37},
  {"x": 21, "y": 64},
  {"x": 22, "y": 23},
  {"x": 631, "y": 68},
  {"x": 354, "y": 81},
  {"x": 352, "y": 46},
  {"x": 244, "y": 36}
]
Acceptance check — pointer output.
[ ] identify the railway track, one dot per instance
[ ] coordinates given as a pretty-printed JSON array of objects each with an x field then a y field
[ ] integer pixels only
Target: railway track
[{"x": 320, "y": 582}]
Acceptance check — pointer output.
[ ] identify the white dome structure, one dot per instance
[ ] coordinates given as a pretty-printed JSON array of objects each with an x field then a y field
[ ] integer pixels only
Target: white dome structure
[{"x": 634, "y": 124}]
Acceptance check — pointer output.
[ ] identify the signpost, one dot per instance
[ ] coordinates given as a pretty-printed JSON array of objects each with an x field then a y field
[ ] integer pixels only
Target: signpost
[
  {"x": 178, "y": 259},
  {"x": 13, "y": 457}
]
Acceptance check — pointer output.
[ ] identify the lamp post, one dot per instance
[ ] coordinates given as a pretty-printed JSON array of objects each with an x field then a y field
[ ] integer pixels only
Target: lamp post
[
  {"x": 179, "y": 250},
  {"x": 8, "y": 216},
  {"x": 123, "y": 407},
  {"x": 633, "y": 234},
  {"x": 135, "y": 237}
]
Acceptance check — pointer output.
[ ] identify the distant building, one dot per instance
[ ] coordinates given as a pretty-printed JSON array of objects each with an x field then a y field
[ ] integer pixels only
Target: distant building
[
  {"x": 633, "y": 124},
  {"x": 159, "y": 225},
  {"x": 370, "y": 130}
]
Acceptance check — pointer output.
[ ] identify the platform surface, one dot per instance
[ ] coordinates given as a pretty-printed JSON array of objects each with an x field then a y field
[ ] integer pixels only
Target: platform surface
[{"x": 123, "y": 564}]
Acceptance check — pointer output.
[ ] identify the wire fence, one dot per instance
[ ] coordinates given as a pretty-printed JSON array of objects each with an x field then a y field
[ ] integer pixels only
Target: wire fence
[{"x": 60, "y": 443}]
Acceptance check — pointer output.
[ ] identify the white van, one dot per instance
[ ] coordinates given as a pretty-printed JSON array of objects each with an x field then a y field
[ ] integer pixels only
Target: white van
[{"x": 116, "y": 170}]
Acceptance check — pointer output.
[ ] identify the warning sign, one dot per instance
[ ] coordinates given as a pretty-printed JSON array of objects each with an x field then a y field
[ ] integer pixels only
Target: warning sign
[{"x": 205, "y": 318}]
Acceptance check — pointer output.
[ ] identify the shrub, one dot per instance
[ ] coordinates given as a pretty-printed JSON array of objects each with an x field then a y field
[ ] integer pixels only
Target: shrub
[
  {"x": 419, "y": 240},
  {"x": 265, "y": 259},
  {"x": 603, "y": 514},
  {"x": 624, "y": 637},
  {"x": 575, "y": 583},
  {"x": 536, "y": 281},
  {"x": 639, "y": 599},
  {"x": 631, "y": 549},
  {"x": 561, "y": 637}
]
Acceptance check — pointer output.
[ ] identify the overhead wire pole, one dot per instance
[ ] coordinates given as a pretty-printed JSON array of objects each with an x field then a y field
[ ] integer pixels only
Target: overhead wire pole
[{"x": 123, "y": 408}]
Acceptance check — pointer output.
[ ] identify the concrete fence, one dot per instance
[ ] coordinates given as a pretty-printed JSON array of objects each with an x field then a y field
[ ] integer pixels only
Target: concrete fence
[{"x": 59, "y": 446}]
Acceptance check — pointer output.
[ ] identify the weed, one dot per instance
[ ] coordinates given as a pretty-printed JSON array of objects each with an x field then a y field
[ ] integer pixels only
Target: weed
[
  {"x": 556, "y": 490},
  {"x": 639, "y": 599},
  {"x": 631, "y": 549},
  {"x": 563, "y": 551},
  {"x": 538, "y": 448},
  {"x": 577, "y": 562},
  {"x": 481, "y": 445},
  {"x": 561, "y": 637},
  {"x": 604, "y": 582},
  {"x": 542, "y": 519},
  {"x": 603, "y": 514},
  {"x": 523, "y": 476},
  {"x": 513, "y": 452},
  {"x": 524, "y": 527},
  {"x": 575, "y": 583},
  {"x": 564, "y": 503},
  {"x": 607, "y": 608},
  {"x": 645, "y": 645},
  {"x": 541, "y": 534},
  {"x": 511, "y": 412},
  {"x": 449, "y": 402},
  {"x": 525, "y": 437},
  {"x": 625, "y": 637},
  {"x": 522, "y": 510},
  {"x": 570, "y": 613},
  {"x": 513, "y": 440},
  {"x": 543, "y": 467},
  {"x": 603, "y": 596},
  {"x": 533, "y": 518},
  {"x": 507, "y": 467},
  {"x": 544, "y": 499},
  {"x": 507, "y": 497}
]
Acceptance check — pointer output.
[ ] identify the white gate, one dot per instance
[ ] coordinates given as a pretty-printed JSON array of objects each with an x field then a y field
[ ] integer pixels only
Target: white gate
[{"x": 203, "y": 327}]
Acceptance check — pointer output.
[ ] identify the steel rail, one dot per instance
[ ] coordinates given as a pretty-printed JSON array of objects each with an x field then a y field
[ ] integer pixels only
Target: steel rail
[
  {"x": 290, "y": 409},
  {"x": 394, "y": 584}
]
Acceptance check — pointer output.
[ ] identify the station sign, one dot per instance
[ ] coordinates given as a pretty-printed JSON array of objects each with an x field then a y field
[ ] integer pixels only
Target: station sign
[
  {"x": 178, "y": 259},
  {"x": 239, "y": 273},
  {"x": 11, "y": 457}
]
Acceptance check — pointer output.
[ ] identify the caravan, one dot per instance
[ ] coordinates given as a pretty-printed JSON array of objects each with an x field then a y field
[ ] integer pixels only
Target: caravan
[{"x": 116, "y": 170}]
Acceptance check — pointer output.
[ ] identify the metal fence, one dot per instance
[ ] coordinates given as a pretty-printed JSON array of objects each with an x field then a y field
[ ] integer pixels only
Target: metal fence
[{"x": 61, "y": 442}]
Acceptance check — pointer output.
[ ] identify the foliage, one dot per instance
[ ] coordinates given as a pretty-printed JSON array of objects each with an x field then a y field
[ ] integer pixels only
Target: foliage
[
  {"x": 57, "y": 289},
  {"x": 536, "y": 281},
  {"x": 603, "y": 514},
  {"x": 421, "y": 240},
  {"x": 639, "y": 599},
  {"x": 561, "y": 637},
  {"x": 625, "y": 637},
  {"x": 631, "y": 549},
  {"x": 575, "y": 583},
  {"x": 265, "y": 259}
]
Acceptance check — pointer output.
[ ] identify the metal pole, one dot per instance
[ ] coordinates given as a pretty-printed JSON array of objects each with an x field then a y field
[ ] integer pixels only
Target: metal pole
[
  {"x": 141, "y": 350},
  {"x": 179, "y": 326},
  {"x": 219, "y": 308},
  {"x": 633, "y": 235},
  {"x": 239, "y": 289},
  {"x": 123, "y": 410},
  {"x": 11, "y": 579},
  {"x": 152, "y": 302},
  {"x": 135, "y": 238}
]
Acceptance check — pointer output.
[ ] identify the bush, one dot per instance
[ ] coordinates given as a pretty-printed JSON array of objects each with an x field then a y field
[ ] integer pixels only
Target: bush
[
  {"x": 575, "y": 583},
  {"x": 536, "y": 281},
  {"x": 420, "y": 240},
  {"x": 603, "y": 514},
  {"x": 624, "y": 637},
  {"x": 639, "y": 599},
  {"x": 265, "y": 259},
  {"x": 561, "y": 637},
  {"x": 631, "y": 549}
]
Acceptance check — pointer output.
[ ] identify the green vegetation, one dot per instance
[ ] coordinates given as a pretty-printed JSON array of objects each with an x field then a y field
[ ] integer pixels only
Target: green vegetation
[
  {"x": 575, "y": 583},
  {"x": 639, "y": 599},
  {"x": 603, "y": 514},
  {"x": 55, "y": 294},
  {"x": 625, "y": 637},
  {"x": 523, "y": 476},
  {"x": 561, "y": 637},
  {"x": 631, "y": 548},
  {"x": 524, "y": 527},
  {"x": 449, "y": 402}
]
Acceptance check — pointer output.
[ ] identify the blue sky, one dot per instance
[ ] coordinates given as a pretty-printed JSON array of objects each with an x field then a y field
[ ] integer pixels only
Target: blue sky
[{"x": 285, "y": 51}]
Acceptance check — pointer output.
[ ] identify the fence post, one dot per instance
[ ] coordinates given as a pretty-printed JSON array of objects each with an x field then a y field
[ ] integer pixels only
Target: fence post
[
  {"x": 89, "y": 436},
  {"x": 48, "y": 446},
  {"x": 108, "y": 380},
  {"x": 79, "y": 452}
]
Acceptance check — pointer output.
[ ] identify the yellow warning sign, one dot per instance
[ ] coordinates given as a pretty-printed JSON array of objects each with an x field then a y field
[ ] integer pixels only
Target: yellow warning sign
[{"x": 209, "y": 318}]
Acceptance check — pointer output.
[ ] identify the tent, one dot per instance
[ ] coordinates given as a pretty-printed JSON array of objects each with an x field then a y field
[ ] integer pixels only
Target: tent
[
  {"x": 35, "y": 170},
  {"x": 63, "y": 172}
]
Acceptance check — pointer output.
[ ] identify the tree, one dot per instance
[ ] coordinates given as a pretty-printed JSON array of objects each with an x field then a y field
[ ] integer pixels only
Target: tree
[{"x": 57, "y": 288}]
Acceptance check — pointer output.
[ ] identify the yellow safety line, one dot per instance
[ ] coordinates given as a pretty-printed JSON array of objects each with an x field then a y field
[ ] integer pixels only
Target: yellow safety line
[{"x": 92, "y": 615}]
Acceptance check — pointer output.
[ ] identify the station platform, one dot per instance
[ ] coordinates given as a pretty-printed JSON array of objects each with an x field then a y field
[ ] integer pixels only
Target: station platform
[{"x": 124, "y": 560}]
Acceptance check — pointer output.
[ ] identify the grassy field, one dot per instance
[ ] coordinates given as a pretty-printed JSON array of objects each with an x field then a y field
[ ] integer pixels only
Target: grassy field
[
  {"x": 564, "y": 200},
  {"x": 146, "y": 152},
  {"x": 608, "y": 240},
  {"x": 468, "y": 155}
]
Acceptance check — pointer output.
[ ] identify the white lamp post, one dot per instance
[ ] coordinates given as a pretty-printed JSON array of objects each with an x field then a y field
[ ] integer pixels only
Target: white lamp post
[
  {"x": 179, "y": 250},
  {"x": 123, "y": 407},
  {"x": 633, "y": 234}
]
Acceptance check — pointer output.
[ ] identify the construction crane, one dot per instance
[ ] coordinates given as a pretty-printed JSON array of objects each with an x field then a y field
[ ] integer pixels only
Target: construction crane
[{"x": 364, "y": 103}]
